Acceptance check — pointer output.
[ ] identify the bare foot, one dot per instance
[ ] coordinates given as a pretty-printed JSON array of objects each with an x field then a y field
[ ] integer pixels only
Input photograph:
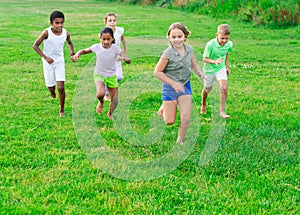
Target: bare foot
[
  {"x": 99, "y": 108},
  {"x": 224, "y": 115},
  {"x": 53, "y": 95},
  {"x": 203, "y": 109},
  {"x": 160, "y": 113},
  {"x": 181, "y": 142},
  {"x": 61, "y": 114},
  {"x": 110, "y": 116}
]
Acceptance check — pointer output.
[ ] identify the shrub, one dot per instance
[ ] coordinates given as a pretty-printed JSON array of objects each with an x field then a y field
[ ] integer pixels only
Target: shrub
[
  {"x": 271, "y": 13},
  {"x": 284, "y": 16},
  {"x": 276, "y": 16}
]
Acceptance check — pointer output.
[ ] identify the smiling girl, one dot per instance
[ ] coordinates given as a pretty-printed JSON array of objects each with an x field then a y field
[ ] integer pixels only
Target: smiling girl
[
  {"x": 105, "y": 70},
  {"x": 174, "y": 70}
]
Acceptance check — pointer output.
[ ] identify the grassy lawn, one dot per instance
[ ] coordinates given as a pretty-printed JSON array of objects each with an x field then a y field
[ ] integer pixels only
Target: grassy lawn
[{"x": 86, "y": 164}]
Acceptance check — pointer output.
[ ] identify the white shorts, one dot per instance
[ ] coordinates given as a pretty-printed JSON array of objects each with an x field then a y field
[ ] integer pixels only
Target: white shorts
[
  {"x": 221, "y": 75},
  {"x": 54, "y": 72}
]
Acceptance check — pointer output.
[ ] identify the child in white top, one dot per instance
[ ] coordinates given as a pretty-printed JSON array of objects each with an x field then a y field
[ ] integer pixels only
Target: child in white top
[
  {"x": 54, "y": 38},
  {"x": 110, "y": 21},
  {"x": 105, "y": 70}
]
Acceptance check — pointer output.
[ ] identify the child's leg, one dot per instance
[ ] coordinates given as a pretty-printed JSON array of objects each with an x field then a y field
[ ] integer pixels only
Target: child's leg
[
  {"x": 49, "y": 76},
  {"x": 208, "y": 83},
  {"x": 205, "y": 93},
  {"x": 100, "y": 93},
  {"x": 160, "y": 112},
  {"x": 52, "y": 91},
  {"x": 223, "y": 97},
  {"x": 185, "y": 108},
  {"x": 169, "y": 109},
  {"x": 60, "y": 77},
  {"x": 62, "y": 96},
  {"x": 113, "y": 92}
]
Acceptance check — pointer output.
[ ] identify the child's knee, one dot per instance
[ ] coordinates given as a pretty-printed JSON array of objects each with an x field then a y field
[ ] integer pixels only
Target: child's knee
[
  {"x": 169, "y": 121},
  {"x": 185, "y": 120},
  {"x": 61, "y": 89},
  {"x": 207, "y": 89},
  {"x": 224, "y": 89},
  {"x": 100, "y": 94}
]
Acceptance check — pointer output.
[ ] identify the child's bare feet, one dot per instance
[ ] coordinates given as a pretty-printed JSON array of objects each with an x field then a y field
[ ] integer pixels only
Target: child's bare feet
[
  {"x": 203, "y": 109},
  {"x": 224, "y": 115},
  {"x": 110, "y": 115},
  {"x": 99, "y": 108},
  {"x": 53, "y": 95},
  {"x": 61, "y": 113},
  {"x": 180, "y": 141},
  {"x": 160, "y": 113}
]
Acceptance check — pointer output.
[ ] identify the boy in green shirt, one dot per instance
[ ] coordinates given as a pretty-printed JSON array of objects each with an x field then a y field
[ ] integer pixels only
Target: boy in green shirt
[{"x": 215, "y": 59}]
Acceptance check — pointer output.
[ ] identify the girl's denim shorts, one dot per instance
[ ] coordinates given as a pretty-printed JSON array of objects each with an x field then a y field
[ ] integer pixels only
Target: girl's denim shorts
[{"x": 169, "y": 94}]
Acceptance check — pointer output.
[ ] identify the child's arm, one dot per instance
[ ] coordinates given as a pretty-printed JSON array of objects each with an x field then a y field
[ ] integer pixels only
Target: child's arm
[
  {"x": 226, "y": 63},
  {"x": 209, "y": 60},
  {"x": 70, "y": 44},
  {"x": 123, "y": 43},
  {"x": 124, "y": 57},
  {"x": 81, "y": 52},
  {"x": 37, "y": 43},
  {"x": 196, "y": 68},
  {"x": 158, "y": 72}
]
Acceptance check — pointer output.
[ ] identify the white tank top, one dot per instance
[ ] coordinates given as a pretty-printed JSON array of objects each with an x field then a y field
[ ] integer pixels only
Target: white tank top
[{"x": 54, "y": 45}]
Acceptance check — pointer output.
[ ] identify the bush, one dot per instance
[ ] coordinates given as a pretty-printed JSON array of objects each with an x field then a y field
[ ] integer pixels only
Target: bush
[
  {"x": 276, "y": 16},
  {"x": 271, "y": 13}
]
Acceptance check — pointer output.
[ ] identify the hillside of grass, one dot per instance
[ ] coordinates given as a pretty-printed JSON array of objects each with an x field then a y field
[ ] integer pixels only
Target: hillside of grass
[{"x": 84, "y": 163}]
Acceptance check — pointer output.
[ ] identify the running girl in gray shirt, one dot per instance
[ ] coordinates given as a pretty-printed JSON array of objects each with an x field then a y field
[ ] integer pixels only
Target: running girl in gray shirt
[{"x": 105, "y": 70}]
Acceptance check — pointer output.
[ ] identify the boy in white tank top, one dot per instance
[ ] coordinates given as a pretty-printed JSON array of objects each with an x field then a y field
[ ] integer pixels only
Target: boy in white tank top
[{"x": 54, "y": 38}]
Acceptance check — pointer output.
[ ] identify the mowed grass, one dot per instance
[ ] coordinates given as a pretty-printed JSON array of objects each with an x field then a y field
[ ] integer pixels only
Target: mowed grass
[{"x": 45, "y": 169}]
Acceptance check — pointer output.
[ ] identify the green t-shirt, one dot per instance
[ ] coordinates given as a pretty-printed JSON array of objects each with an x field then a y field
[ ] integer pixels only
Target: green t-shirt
[
  {"x": 214, "y": 51},
  {"x": 179, "y": 68}
]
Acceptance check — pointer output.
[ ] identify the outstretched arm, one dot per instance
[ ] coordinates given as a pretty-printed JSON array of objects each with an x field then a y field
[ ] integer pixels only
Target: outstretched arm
[
  {"x": 124, "y": 57},
  {"x": 81, "y": 52},
  {"x": 70, "y": 44},
  {"x": 123, "y": 43},
  {"x": 196, "y": 68}
]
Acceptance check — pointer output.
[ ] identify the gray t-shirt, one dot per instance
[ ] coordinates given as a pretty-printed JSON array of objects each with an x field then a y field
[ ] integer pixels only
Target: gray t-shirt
[
  {"x": 105, "y": 59},
  {"x": 179, "y": 68}
]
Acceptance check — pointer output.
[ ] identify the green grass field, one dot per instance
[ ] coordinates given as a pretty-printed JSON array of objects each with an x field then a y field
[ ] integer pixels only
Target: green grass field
[{"x": 86, "y": 164}]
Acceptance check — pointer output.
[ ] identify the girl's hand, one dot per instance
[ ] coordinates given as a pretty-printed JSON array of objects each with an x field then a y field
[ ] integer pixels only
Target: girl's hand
[
  {"x": 126, "y": 59},
  {"x": 119, "y": 58},
  {"x": 178, "y": 87},
  {"x": 75, "y": 57},
  {"x": 201, "y": 75},
  {"x": 71, "y": 55}
]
